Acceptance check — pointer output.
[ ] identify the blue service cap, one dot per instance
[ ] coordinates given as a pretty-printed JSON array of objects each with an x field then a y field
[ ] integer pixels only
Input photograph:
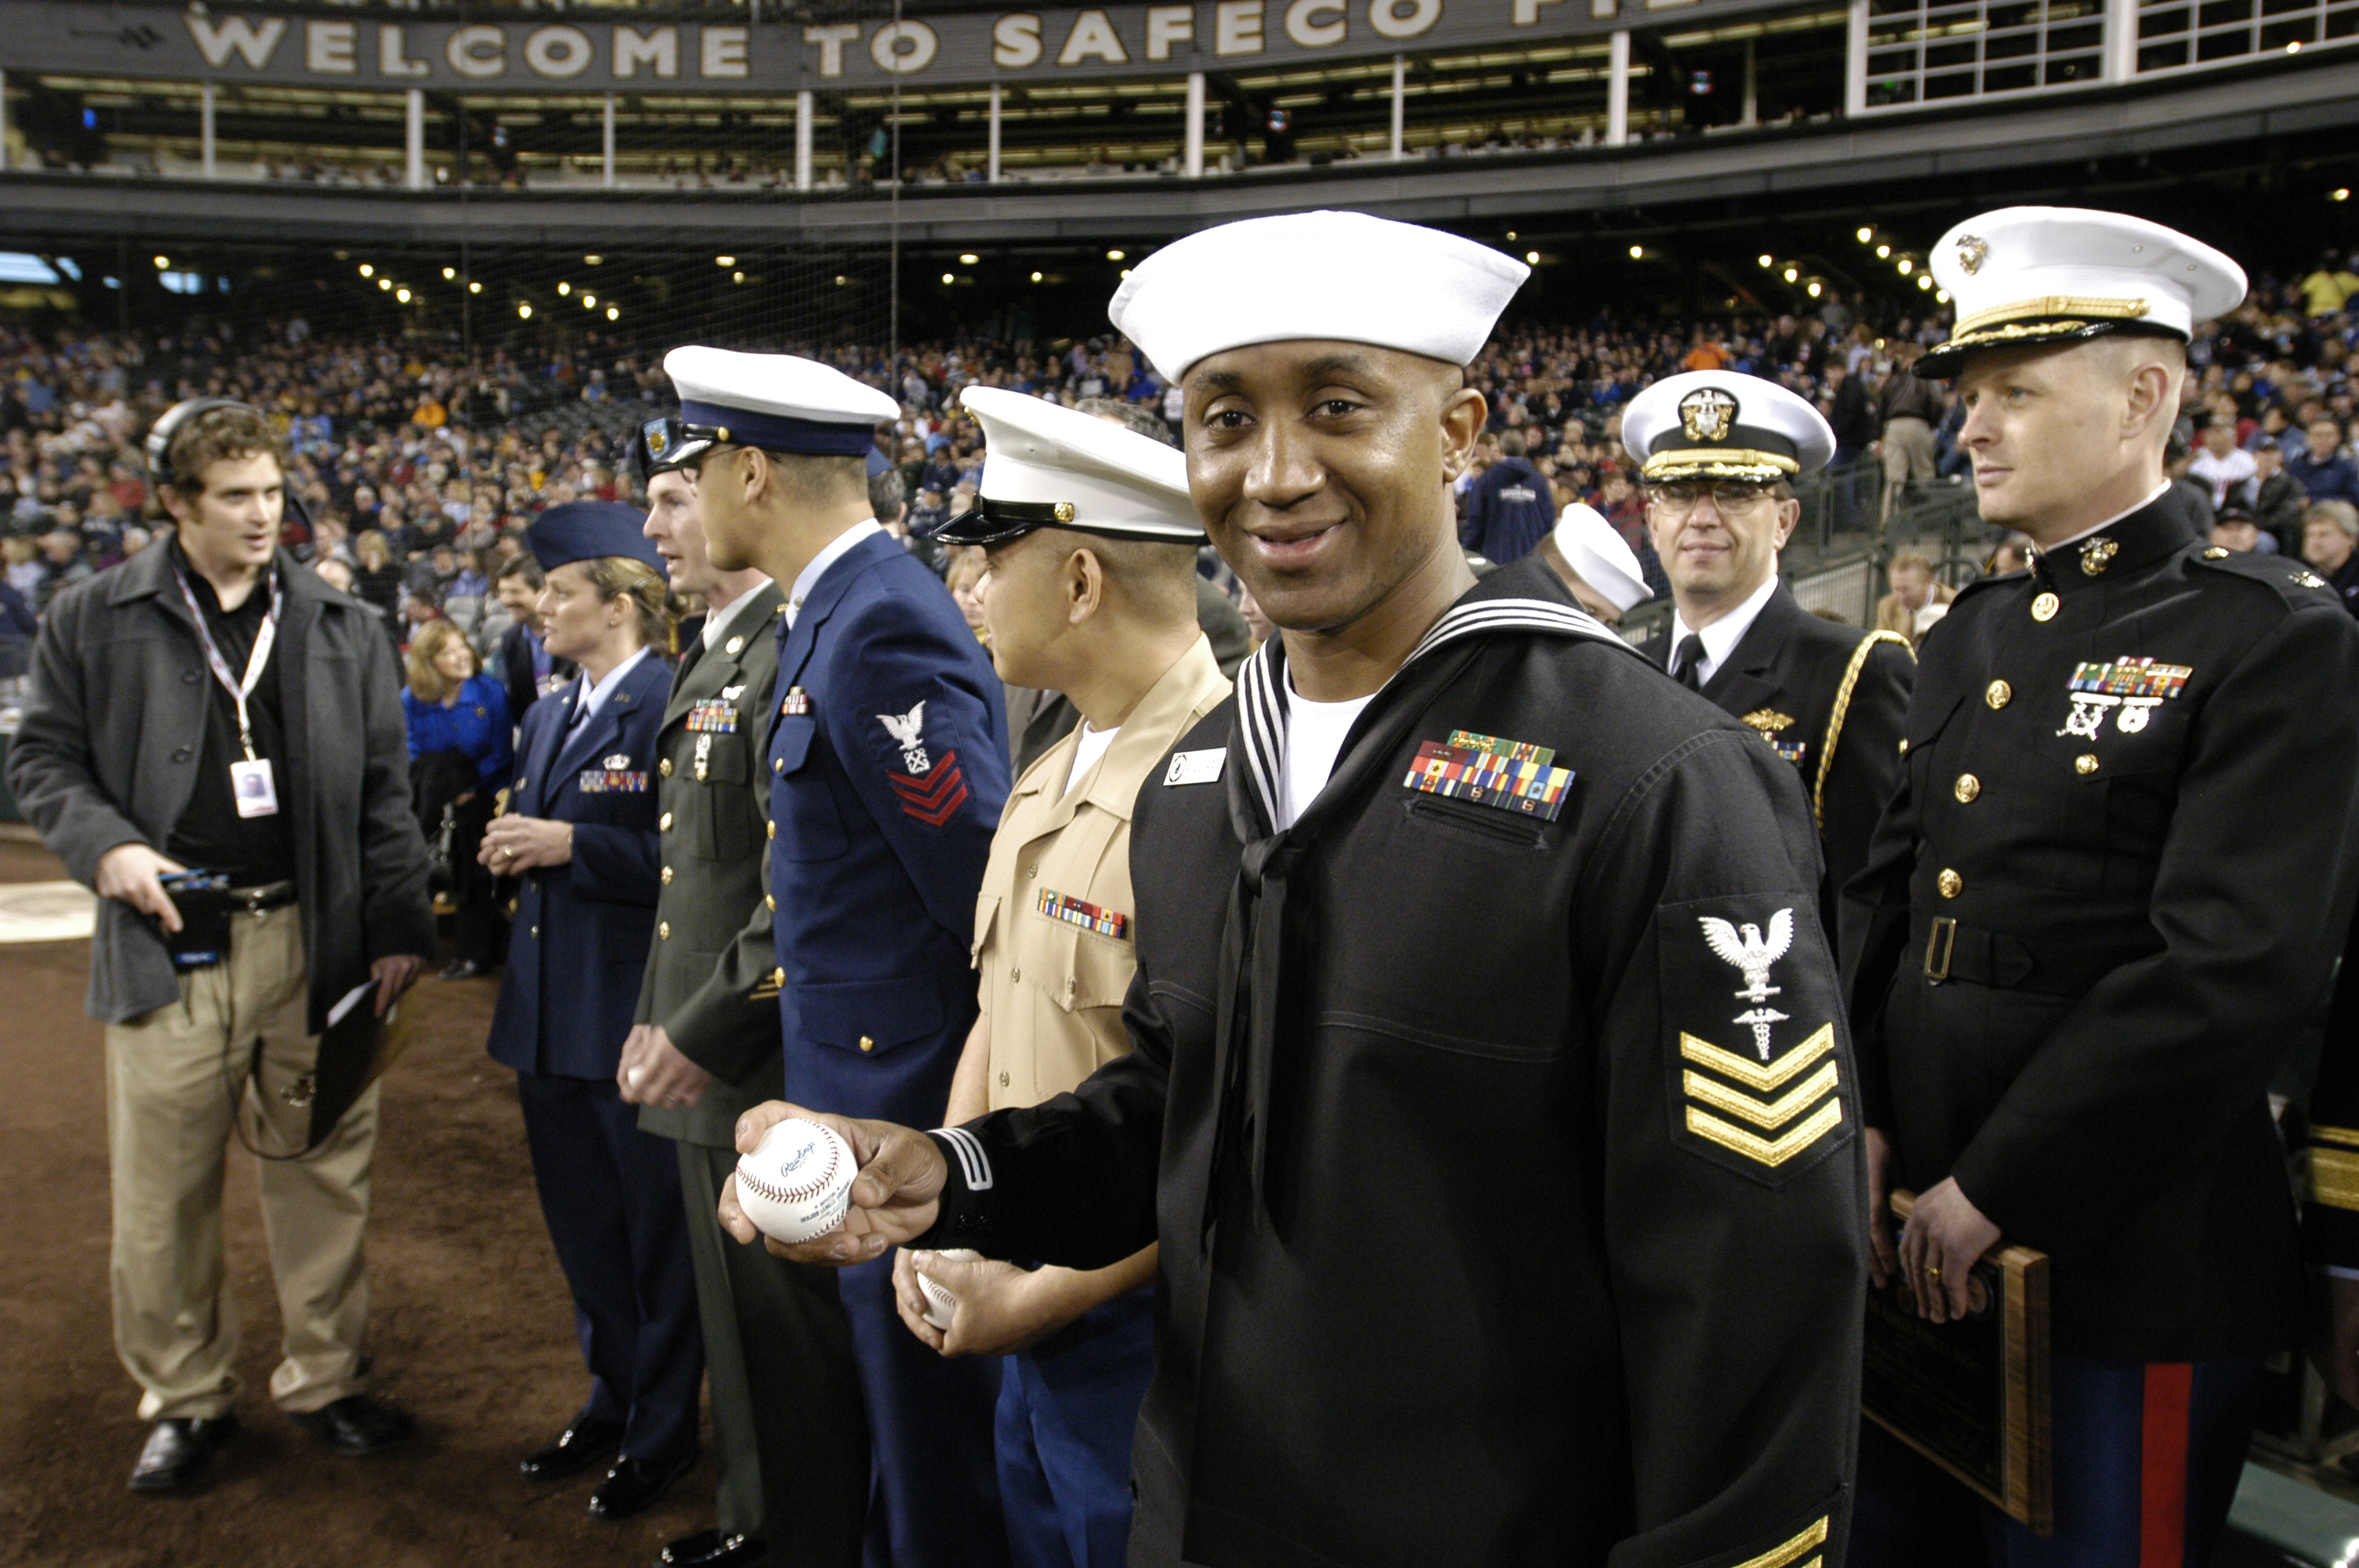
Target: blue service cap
[{"x": 586, "y": 530}]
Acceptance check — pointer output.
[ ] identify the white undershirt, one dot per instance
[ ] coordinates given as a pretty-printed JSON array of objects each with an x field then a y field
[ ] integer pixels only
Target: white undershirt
[
  {"x": 586, "y": 707},
  {"x": 718, "y": 622},
  {"x": 834, "y": 550},
  {"x": 1314, "y": 738},
  {"x": 1092, "y": 746},
  {"x": 1720, "y": 638}
]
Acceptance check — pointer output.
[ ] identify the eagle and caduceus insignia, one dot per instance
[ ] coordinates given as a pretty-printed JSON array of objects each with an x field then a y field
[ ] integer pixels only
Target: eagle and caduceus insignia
[{"x": 1752, "y": 953}]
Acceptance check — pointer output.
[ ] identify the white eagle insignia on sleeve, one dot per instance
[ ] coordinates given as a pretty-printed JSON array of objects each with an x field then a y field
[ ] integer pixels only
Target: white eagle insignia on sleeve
[{"x": 908, "y": 730}]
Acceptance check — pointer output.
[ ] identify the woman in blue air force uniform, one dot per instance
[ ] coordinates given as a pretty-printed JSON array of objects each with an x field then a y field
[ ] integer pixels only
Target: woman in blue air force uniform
[{"x": 581, "y": 830}]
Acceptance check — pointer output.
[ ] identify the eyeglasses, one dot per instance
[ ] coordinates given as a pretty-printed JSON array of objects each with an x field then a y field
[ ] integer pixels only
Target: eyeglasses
[{"x": 1727, "y": 495}]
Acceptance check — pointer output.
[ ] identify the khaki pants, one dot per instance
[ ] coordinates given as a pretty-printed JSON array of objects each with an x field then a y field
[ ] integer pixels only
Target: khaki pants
[
  {"x": 1908, "y": 458},
  {"x": 170, "y": 1077}
]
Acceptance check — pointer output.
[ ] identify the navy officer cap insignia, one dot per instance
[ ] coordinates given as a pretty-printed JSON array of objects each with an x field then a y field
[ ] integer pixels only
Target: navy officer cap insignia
[
  {"x": 589, "y": 531},
  {"x": 2054, "y": 274},
  {"x": 1340, "y": 277},
  {"x": 1713, "y": 424},
  {"x": 1046, "y": 467},
  {"x": 780, "y": 403}
]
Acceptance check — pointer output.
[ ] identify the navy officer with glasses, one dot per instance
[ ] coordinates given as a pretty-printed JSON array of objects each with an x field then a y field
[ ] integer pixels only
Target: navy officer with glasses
[{"x": 1719, "y": 452}]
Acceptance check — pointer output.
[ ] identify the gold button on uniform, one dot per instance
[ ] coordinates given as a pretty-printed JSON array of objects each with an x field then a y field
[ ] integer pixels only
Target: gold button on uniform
[
  {"x": 1014, "y": 973},
  {"x": 779, "y": 976},
  {"x": 663, "y": 769},
  {"x": 1968, "y": 787},
  {"x": 866, "y": 1044},
  {"x": 1998, "y": 694},
  {"x": 666, "y": 823},
  {"x": 2085, "y": 763},
  {"x": 734, "y": 643},
  {"x": 2044, "y": 608},
  {"x": 778, "y": 764},
  {"x": 1950, "y": 884},
  {"x": 1003, "y": 1080},
  {"x": 663, "y": 930},
  {"x": 667, "y": 876},
  {"x": 536, "y": 931},
  {"x": 2215, "y": 554},
  {"x": 772, "y": 829},
  {"x": 770, "y": 902},
  {"x": 1904, "y": 745}
]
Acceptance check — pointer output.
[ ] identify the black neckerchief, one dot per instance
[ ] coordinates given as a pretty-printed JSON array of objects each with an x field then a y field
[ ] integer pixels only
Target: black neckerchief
[{"x": 1253, "y": 936}]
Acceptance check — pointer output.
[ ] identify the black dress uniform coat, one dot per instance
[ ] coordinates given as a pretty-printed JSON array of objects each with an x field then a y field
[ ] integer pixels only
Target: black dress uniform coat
[
  {"x": 1832, "y": 700},
  {"x": 1488, "y": 1234},
  {"x": 787, "y": 1423},
  {"x": 2112, "y": 887}
]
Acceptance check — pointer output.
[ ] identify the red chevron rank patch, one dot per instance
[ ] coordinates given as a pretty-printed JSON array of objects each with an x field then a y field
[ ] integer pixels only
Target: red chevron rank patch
[{"x": 934, "y": 796}]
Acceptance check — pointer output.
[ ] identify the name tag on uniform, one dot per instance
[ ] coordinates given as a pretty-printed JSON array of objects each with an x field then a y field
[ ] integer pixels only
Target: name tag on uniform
[
  {"x": 711, "y": 716},
  {"x": 1196, "y": 767},
  {"x": 257, "y": 794}
]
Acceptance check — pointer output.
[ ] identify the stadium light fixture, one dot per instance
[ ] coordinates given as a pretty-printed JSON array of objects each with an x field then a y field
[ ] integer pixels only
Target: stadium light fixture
[
  {"x": 367, "y": 271},
  {"x": 474, "y": 288},
  {"x": 969, "y": 258},
  {"x": 1906, "y": 266},
  {"x": 593, "y": 261},
  {"x": 589, "y": 302},
  {"x": 1766, "y": 261},
  {"x": 613, "y": 314},
  {"x": 448, "y": 273},
  {"x": 1532, "y": 257},
  {"x": 840, "y": 280},
  {"x": 1113, "y": 255},
  {"x": 726, "y": 261},
  {"x": 1637, "y": 253},
  {"x": 1924, "y": 280},
  {"x": 2339, "y": 193},
  {"x": 1511, "y": 236},
  {"x": 163, "y": 262},
  {"x": 1866, "y": 233},
  {"x": 1036, "y": 277},
  {"x": 564, "y": 288},
  {"x": 948, "y": 278},
  {"x": 402, "y": 294},
  {"x": 1814, "y": 288},
  {"x": 1884, "y": 252},
  {"x": 1125, "y": 272},
  {"x": 385, "y": 283},
  {"x": 524, "y": 313},
  {"x": 2294, "y": 48},
  {"x": 736, "y": 277},
  {"x": 1793, "y": 275}
]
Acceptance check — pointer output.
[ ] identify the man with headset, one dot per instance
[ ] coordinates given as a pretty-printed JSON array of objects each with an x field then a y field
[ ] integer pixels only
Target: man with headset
[{"x": 214, "y": 742}]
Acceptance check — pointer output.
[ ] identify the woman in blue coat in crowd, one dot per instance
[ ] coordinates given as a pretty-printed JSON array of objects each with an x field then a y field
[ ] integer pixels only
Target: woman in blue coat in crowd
[
  {"x": 581, "y": 830},
  {"x": 459, "y": 757}
]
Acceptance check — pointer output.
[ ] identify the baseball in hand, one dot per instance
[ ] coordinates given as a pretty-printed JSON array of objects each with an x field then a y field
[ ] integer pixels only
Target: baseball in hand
[
  {"x": 796, "y": 1183},
  {"x": 941, "y": 1304}
]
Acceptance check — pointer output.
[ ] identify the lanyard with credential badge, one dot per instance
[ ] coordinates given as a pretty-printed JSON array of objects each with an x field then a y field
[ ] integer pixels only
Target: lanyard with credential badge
[{"x": 250, "y": 780}]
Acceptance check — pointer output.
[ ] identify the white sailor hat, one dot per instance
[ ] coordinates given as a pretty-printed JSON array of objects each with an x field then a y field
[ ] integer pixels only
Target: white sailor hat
[
  {"x": 2041, "y": 275},
  {"x": 1722, "y": 424},
  {"x": 779, "y": 403},
  {"x": 1599, "y": 557},
  {"x": 1046, "y": 467},
  {"x": 1342, "y": 275}
]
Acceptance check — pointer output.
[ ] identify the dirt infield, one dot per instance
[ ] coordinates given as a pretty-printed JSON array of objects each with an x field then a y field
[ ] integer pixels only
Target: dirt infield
[{"x": 471, "y": 1327}]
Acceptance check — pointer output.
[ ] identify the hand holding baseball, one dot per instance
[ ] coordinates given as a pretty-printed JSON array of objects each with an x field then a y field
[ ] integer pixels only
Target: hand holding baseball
[{"x": 894, "y": 1199}]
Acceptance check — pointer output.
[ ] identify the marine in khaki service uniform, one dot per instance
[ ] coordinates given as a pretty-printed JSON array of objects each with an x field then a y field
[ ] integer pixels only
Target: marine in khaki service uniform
[
  {"x": 787, "y": 1431},
  {"x": 1091, "y": 593}
]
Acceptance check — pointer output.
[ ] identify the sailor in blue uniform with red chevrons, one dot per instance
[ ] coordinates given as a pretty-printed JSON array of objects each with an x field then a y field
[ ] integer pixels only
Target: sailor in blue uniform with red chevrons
[
  {"x": 2078, "y": 952},
  {"x": 888, "y": 753}
]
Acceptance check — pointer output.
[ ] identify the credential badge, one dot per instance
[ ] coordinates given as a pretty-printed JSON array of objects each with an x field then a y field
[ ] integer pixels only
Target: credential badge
[{"x": 1706, "y": 414}]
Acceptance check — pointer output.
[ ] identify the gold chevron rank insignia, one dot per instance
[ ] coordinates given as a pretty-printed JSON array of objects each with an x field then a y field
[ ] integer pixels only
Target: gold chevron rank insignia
[{"x": 1767, "y": 1113}]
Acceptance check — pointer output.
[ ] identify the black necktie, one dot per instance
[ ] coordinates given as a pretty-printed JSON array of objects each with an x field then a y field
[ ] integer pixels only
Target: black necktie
[{"x": 1687, "y": 661}]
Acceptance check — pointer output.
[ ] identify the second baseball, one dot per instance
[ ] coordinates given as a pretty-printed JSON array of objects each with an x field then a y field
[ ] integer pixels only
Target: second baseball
[
  {"x": 941, "y": 1304},
  {"x": 796, "y": 1183}
]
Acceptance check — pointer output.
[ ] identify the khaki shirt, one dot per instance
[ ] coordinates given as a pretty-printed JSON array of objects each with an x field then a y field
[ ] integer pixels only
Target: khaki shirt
[{"x": 1053, "y": 983}]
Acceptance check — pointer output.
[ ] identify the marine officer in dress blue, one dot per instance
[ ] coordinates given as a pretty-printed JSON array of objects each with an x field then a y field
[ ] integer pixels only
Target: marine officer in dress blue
[
  {"x": 581, "y": 831},
  {"x": 887, "y": 756}
]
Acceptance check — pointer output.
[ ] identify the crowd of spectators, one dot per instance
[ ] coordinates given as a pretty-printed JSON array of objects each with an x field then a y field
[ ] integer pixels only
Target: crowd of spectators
[{"x": 417, "y": 463}]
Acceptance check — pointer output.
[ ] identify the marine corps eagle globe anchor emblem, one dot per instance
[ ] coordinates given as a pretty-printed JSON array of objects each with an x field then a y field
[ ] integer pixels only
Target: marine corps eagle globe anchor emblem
[
  {"x": 1753, "y": 954},
  {"x": 1706, "y": 414}
]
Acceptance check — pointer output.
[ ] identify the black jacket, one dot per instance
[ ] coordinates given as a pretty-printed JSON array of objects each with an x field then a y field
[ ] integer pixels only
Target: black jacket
[
  {"x": 1829, "y": 698},
  {"x": 115, "y": 724},
  {"x": 516, "y": 671},
  {"x": 1485, "y": 1236},
  {"x": 2136, "y": 877}
]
